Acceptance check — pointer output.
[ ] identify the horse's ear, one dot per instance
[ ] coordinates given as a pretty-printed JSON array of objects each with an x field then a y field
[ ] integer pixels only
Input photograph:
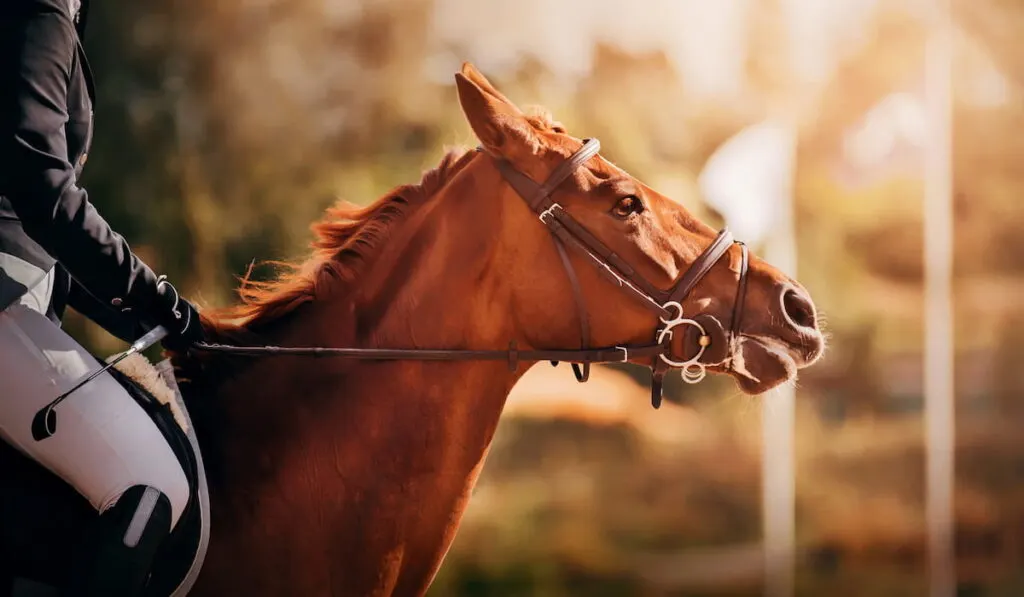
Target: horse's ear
[
  {"x": 470, "y": 72},
  {"x": 499, "y": 125}
]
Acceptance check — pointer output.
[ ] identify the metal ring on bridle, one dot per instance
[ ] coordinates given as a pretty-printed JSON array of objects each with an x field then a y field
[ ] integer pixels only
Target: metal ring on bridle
[
  {"x": 691, "y": 370},
  {"x": 667, "y": 331},
  {"x": 677, "y": 318},
  {"x": 693, "y": 373}
]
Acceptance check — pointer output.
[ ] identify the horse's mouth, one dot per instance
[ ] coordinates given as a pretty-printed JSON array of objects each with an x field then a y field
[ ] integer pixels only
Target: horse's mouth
[{"x": 762, "y": 363}]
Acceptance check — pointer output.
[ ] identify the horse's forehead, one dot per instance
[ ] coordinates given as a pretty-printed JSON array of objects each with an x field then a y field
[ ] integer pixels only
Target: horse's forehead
[
  {"x": 591, "y": 172},
  {"x": 599, "y": 169}
]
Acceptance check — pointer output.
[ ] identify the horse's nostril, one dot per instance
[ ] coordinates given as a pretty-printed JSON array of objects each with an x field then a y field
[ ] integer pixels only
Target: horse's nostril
[{"x": 798, "y": 309}]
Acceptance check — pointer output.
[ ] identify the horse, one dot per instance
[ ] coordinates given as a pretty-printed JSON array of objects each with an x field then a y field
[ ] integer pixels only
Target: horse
[{"x": 345, "y": 407}]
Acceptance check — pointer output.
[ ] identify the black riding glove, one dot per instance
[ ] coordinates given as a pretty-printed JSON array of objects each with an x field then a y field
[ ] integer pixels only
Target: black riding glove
[{"x": 177, "y": 315}]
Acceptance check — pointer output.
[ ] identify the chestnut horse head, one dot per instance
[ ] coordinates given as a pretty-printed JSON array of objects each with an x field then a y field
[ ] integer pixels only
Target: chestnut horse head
[{"x": 742, "y": 316}]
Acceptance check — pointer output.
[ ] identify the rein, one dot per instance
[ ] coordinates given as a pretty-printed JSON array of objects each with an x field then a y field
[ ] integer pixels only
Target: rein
[
  {"x": 667, "y": 305},
  {"x": 616, "y": 354}
]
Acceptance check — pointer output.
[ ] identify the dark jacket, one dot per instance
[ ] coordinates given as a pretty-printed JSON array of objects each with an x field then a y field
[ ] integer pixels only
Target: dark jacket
[{"x": 46, "y": 219}]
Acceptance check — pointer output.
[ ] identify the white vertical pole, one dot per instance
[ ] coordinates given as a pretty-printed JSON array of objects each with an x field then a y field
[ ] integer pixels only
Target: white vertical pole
[
  {"x": 778, "y": 467},
  {"x": 778, "y": 479},
  {"x": 749, "y": 179},
  {"x": 938, "y": 335}
]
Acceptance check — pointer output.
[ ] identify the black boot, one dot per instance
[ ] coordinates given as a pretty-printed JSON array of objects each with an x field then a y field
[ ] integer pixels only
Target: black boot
[{"x": 115, "y": 557}]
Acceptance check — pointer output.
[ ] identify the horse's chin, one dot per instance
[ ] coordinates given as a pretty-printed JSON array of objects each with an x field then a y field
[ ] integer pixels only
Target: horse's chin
[{"x": 762, "y": 365}]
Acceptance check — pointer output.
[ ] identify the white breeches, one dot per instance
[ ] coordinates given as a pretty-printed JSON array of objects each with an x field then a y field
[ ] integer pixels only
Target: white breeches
[{"x": 105, "y": 442}]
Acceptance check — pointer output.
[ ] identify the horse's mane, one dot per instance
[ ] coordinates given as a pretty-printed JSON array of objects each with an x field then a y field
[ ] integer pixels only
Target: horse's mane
[{"x": 344, "y": 239}]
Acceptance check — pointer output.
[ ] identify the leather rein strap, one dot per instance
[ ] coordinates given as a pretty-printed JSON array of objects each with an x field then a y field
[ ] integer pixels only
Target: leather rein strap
[{"x": 567, "y": 231}]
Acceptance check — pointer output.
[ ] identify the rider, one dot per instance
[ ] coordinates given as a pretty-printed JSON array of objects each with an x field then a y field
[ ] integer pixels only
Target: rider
[{"x": 56, "y": 250}]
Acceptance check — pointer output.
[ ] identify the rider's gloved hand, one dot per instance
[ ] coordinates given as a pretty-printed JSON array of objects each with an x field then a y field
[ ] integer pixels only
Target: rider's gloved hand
[{"x": 176, "y": 314}]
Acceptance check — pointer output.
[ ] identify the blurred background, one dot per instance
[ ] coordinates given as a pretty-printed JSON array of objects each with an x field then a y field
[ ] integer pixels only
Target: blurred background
[{"x": 226, "y": 127}]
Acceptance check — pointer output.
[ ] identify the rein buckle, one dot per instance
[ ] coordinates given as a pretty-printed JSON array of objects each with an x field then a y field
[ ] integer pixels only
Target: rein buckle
[{"x": 549, "y": 212}]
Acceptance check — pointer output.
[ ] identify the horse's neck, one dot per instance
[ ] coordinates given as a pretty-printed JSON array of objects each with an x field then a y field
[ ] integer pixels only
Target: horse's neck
[{"x": 429, "y": 288}]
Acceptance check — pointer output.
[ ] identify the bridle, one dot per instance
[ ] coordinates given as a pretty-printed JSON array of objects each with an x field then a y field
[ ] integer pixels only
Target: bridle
[{"x": 667, "y": 305}]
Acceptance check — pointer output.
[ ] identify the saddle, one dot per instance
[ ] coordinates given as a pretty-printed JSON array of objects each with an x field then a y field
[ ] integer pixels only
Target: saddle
[{"x": 41, "y": 515}]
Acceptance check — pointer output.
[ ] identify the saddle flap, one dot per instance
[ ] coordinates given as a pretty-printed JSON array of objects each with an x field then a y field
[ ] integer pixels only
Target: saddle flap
[
  {"x": 200, "y": 493},
  {"x": 181, "y": 557}
]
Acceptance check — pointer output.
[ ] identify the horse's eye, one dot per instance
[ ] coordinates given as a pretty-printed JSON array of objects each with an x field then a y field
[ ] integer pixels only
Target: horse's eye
[{"x": 627, "y": 206}]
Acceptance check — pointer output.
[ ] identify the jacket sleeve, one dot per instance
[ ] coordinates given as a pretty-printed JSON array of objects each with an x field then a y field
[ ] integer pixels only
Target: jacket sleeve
[
  {"x": 35, "y": 174},
  {"x": 114, "y": 321}
]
